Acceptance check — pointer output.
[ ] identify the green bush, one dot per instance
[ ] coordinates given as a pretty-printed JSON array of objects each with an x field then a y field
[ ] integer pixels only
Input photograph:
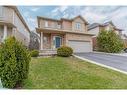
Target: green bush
[
  {"x": 34, "y": 53},
  {"x": 14, "y": 63},
  {"x": 64, "y": 51},
  {"x": 109, "y": 41}
]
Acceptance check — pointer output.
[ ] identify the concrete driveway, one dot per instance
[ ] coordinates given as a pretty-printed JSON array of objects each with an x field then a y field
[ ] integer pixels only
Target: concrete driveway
[{"x": 115, "y": 61}]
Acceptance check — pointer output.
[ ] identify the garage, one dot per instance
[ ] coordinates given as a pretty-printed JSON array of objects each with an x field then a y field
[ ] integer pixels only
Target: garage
[{"x": 80, "y": 46}]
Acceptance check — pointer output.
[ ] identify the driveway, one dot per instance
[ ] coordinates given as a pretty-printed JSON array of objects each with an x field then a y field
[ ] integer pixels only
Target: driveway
[{"x": 115, "y": 61}]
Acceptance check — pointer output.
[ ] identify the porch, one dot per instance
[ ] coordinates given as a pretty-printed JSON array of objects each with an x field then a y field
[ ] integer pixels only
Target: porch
[
  {"x": 6, "y": 30},
  {"x": 49, "y": 42}
]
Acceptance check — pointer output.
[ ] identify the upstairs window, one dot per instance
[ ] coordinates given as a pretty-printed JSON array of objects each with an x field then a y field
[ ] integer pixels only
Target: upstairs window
[
  {"x": 59, "y": 26},
  {"x": 46, "y": 23},
  {"x": 78, "y": 26},
  {"x": 1, "y": 11}
]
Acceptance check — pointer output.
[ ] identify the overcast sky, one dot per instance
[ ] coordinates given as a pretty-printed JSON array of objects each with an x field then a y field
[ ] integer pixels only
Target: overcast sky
[{"x": 98, "y": 14}]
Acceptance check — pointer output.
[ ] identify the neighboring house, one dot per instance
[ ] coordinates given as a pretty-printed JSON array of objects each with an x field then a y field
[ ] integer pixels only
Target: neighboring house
[
  {"x": 124, "y": 38},
  {"x": 95, "y": 28},
  {"x": 70, "y": 32},
  {"x": 13, "y": 24}
]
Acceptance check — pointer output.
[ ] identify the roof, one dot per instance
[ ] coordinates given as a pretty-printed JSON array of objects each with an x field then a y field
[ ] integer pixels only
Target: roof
[
  {"x": 94, "y": 25},
  {"x": 110, "y": 22},
  {"x": 60, "y": 31},
  {"x": 20, "y": 16},
  {"x": 81, "y": 18},
  {"x": 107, "y": 23},
  {"x": 46, "y": 18}
]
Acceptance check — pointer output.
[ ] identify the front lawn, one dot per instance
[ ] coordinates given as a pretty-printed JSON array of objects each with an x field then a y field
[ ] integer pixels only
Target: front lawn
[{"x": 71, "y": 73}]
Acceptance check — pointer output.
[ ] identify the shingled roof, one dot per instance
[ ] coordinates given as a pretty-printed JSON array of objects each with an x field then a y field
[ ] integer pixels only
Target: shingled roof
[{"x": 94, "y": 25}]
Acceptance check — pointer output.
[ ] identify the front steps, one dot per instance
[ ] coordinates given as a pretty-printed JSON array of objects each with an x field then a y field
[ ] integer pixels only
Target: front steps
[{"x": 47, "y": 52}]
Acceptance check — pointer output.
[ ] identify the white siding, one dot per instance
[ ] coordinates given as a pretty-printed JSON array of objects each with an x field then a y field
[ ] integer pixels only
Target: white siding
[
  {"x": 7, "y": 14},
  {"x": 1, "y": 11},
  {"x": 94, "y": 31},
  {"x": 21, "y": 28}
]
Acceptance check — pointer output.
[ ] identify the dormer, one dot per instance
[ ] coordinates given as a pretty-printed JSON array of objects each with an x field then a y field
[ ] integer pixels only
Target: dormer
[{"x": 79, "y": 24}]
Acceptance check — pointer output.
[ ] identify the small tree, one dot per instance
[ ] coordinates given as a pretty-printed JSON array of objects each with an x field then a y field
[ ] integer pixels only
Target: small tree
[
  {"x": 14, "y": 62},
  {"x": 34, "y": 41},
  {"x": 109, "y": 41}
]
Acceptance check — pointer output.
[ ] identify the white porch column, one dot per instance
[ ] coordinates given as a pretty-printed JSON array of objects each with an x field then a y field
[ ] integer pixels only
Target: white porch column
[
  {"x": 41, "y": 41},
  {"x": 5, "y": 32}
]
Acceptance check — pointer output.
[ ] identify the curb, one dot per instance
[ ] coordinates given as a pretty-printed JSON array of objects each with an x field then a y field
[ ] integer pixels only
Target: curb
[
  {"x": 109, "y": 53},
  {"x": 102, "y": 65}
]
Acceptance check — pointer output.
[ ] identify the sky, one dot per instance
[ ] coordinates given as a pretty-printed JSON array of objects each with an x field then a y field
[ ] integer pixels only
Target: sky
[{"x": 92, "y": 14}]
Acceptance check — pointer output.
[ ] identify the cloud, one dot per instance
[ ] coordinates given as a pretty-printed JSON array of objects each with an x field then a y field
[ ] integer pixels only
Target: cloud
[
  {"x": 26, "y": 14},
  {"x": 92, "y": 17},
  {"x": 59, "y": 9},
  {"x": 34, "y": 9},
  {"x": 63, "y": 8},
  {"x": 32, "y": 23}
]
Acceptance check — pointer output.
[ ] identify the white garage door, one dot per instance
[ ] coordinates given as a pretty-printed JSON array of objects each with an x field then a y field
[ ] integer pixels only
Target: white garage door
[{"x": 80, "y": 46}]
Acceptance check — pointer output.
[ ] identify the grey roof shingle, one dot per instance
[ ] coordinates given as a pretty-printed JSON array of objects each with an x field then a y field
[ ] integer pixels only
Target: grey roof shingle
[{"x": 94, "y": 25}]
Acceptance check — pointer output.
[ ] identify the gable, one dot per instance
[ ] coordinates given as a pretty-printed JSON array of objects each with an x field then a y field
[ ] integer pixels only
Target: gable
[
  {"x": 109, "y": 27},
  {"x": 78, "y": 19}
]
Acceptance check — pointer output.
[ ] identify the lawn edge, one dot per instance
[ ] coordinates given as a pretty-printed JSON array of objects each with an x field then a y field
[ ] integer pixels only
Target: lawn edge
[{"x": 102, "y": 65}]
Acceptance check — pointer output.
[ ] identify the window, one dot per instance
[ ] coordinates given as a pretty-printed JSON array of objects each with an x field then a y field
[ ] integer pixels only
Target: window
[
  {"x": 1, "y": 11},
  {"x": 45, "y": 40},
  {"x": 58, "y": 25},
  {"x": 46, "y": 23},
  {"x": 78, "y": 26}
]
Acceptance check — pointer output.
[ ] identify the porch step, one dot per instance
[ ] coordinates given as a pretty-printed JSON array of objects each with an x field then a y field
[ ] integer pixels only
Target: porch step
[{"x": 47, "y": 52}]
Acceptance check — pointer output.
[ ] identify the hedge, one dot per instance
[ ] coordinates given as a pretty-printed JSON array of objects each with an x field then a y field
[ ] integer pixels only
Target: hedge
[
  {"x": 14, "y": 63},
  {"x": 64, "y": 51}
]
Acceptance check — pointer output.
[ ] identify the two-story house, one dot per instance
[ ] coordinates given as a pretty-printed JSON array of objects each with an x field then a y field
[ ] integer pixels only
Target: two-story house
[
  {"x": 95, "y": 28},
  {"x": 13, "y": 24},
  {"x": 70, "y": 32}
]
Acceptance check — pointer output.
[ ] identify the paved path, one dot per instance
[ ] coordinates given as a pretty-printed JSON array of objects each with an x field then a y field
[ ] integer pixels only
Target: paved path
[{"x": 115, "y": 61}]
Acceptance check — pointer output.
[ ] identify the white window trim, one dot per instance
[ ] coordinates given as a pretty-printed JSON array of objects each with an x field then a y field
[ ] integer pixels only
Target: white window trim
[
  {"x": 78, "y": 26},
  {"x": 46, "y": 24}
]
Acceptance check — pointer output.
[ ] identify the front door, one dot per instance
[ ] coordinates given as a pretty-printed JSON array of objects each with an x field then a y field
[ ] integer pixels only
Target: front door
[{"x": 58, "y": 42}]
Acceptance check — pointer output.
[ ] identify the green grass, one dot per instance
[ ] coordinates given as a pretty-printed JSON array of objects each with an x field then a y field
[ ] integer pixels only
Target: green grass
[{"x": 71, "y": 73}]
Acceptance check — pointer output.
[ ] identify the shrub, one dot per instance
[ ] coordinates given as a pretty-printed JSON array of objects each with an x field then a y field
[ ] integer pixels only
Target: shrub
[
  {"x": 34, "y": 53},
  {"x": 64, "y": 51},
  {"x": 109, "y": 41},
  {"x": 14, "y": 63}
]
